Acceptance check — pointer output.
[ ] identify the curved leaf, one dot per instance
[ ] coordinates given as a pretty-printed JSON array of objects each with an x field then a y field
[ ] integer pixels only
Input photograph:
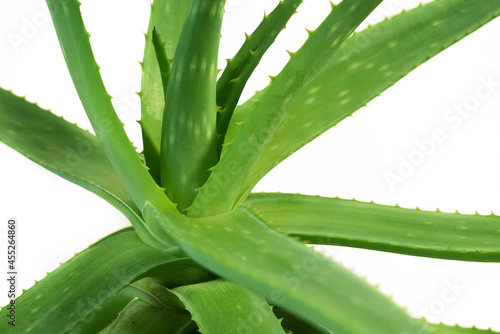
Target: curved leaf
[
  {"x": 226, "y": 186},
  {"x": 84, "y": 71},
  {"x": 241, "y": 66},
  {"x": 168, "y": 17},
  {"x": 242, "y": 310},
  {"x": 241, "y": 248},
  {"x": 62, "y": 148},
  {"x": 73, "y": 292},
  {"x": 334, "y": 221},
  {"x": 139, "y": 317},
  {"x": 368, "y": 63},
  {"x": 189, "y": 133}
]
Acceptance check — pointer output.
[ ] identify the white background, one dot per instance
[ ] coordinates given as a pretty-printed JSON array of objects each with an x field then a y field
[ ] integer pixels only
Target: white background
[{"x": 57, "y": 218}]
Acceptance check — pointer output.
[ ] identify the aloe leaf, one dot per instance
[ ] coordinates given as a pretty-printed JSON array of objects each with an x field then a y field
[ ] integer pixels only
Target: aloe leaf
[
  {"x": 62, "y": 148},
  {"x": 172, "y": 274},
  {"x": 223, "y": 190},
  {"x": 140, "y": 317},
  {"x": 244, "y": 312},
  {"x": 241, "y": 248},
  {"x": 73, "y": 292},
  {"x": 334, "y": 221},
  {"x": 240, "y": 67},
  {"x": 162, "y": 58},
  {"x": 68, "y": 151},
  {"x": 368, "y": 63},
  {"x": 168, "y": 17},
  {"x": 189, "y": 136},
  {"x": 75, "y": 45}
]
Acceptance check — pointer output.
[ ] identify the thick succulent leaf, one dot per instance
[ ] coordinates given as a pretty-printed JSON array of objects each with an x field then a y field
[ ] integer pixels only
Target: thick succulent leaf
[
  {"x": 75, "y": 45},
  {"x": 243, "y": 249},
  {"x": 104, "y": 314},
  {"x": 162, "y": 59},
  {"x": 62, "y": 148},
  {"x": 225, "y": 187},
  {"x": 140, "y": 317},
  {"x": 220, "y": 306},
  {"x": 173, "y": 273},
  {"x": 168, "y": 17},
  {"x": 74, "y": 292},
  {"x": 189, "y": 136},
  {"x": 365, "y": 65},
  {"x": 334, "y": 221},
  {"x": 241, "y": 66}
]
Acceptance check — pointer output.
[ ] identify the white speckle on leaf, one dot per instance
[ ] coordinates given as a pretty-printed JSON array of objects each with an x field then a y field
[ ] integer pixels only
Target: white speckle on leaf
[
  {"x": 344, "y": 101},
  {"x": 344, "y": 92},
  {"x": 310, "y": 100}
]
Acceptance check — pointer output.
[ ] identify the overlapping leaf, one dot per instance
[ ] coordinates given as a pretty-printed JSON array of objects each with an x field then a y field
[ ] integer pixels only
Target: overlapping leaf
[
  {"x": 189, "y": 134},
  {"x": 62, "y": 148},
  {"x": 223, "y": 190},
  {"x": 72, "y": 293},
  {"x": 84, "y": 71},
  {"x": 241, "y": 248},
  {"x": 365, "y": 65},
  {"x": 168, "y": 17}
]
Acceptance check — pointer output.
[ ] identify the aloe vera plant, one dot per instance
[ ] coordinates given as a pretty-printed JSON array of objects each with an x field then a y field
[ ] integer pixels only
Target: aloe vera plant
[{"x": 204, "y": 253}]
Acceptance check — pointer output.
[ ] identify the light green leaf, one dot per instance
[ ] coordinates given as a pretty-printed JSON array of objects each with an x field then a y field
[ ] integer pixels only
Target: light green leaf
[
  {"x": 241, "y": 248},
  {"x": 368, "y": 63},
  {"x": 241, "y": 66},
  {"x": 244, "y": 312},
  {"x": 75, "y": 45},
  {"x": 225, "y": 187},
  {"x": 73, "y": 292},
  {"x": 138, "y": 317},
  {"x": 334, "y": 221},
  {"x": 296, "y": 325},
  {"x": 168, "y": 17},
  {"x": 189, "y": 134},
  {"x": 64, "y": 149},
  {"x": 162, "y": 59}
]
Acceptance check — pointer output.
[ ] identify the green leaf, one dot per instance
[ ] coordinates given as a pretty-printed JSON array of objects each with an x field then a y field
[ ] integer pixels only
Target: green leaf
[
  {"x": 243, "y": 249},
  {"x": 139, "y": 317},
  {"x": 334, "y": 221},
  {"x": 168, "y": 17},
  {"x": 73, "y": 292},
  {"x": 179, "y": 272},
  {"x": 368, "y": 63},
  {"x": 75, "y": 45},
  {"x": 162, "y": 58},
  {"x": 296, "y": 325},
  {"x": 189, "y": 136},
  {"x": 240, "y": 67},
  {"x": 242, "y": 310},
  {"x": 173, "y": 273},
  {"x": 64, "y": 149},
  {"x": 225, "y": 187}
]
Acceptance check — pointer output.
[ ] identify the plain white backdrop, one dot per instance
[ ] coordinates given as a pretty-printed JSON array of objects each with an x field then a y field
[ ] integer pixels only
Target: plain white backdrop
[{"x": 57, "y": 218}]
